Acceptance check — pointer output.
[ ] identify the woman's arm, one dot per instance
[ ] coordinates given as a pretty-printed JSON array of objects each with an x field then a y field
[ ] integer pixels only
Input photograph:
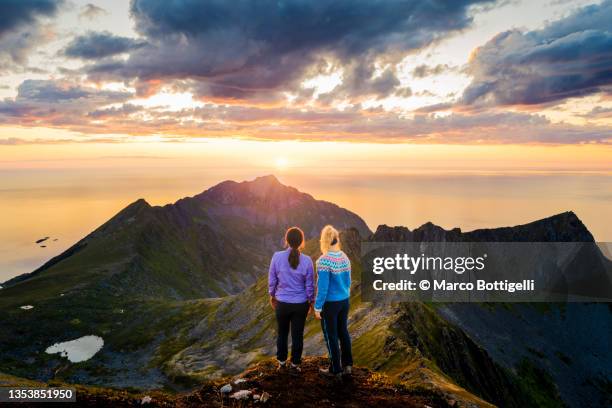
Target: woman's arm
[
  {"x": 323, "y": 274},
  {"x": 310, "y": 283},
  {"x": 272, "y": 282}
]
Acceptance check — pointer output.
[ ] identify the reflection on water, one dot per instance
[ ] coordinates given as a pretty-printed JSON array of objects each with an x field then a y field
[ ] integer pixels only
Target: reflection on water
[{"x": 67, "y": 204}]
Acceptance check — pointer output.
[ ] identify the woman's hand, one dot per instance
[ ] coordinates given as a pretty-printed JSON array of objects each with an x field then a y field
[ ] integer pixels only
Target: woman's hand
[
  {"x": 318, "y": 315},
  {"x": 273, "y": 302}
]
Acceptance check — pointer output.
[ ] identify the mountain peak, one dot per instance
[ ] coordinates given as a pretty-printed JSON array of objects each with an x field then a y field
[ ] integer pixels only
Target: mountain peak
[
  {"x": 266, "y": 201},
  {"x": 261, "y": 188},
  {"x": 269, "y": 179},
  {"x": 132, "y": 210}
]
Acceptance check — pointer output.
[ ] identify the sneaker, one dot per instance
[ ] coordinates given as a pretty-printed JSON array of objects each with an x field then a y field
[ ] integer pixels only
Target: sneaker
[
  {"x": 282, "y": 365},
  {"x": 294, "y": 369},
  {"x": 348, "y": 370}
]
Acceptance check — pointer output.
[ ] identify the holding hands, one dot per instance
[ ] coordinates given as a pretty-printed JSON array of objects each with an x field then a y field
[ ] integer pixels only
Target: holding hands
[{"x": 273, "y": 302}]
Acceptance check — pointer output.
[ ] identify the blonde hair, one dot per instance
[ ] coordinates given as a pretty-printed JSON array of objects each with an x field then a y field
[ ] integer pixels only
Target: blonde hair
[{"x": 328, "y": 233}]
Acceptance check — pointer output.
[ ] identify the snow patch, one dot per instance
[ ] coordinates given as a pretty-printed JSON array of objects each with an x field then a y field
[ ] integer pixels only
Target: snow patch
[{"x": 77, "y": 350}]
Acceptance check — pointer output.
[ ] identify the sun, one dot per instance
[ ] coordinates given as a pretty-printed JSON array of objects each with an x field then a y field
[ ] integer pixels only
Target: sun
[{"x": 281, "y": 162}]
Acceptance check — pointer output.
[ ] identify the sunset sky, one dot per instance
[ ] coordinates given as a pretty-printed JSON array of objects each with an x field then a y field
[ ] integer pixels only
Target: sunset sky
[
  {"x": 112, "y": 100},
  {"x": 369, "y": 71}
]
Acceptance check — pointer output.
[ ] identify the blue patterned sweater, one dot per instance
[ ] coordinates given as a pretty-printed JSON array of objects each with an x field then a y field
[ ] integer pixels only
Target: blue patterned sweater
[{"x": 333, "y": 278}]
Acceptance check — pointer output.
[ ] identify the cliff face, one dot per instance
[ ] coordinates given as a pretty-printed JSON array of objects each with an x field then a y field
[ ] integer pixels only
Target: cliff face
[{"x": 515, "y": 354}]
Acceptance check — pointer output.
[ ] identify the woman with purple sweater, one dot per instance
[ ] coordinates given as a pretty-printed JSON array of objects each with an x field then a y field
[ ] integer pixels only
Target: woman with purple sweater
[{"x": 291, "y": 289}]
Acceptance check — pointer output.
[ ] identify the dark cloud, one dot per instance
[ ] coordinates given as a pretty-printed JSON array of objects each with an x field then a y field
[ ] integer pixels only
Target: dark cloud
[
  {"x": 240, "y": 49},
  {"x": 55, "y": 103},
  {"x": 435, "y": 107},
  {"x": 20, "y": 29},
  {"x": 17, "y": 13},
  {"x": 422, "y": 71},
  {"x": 570, "y": 57},
  {"x": 49, "y": 91},
  {"x": 123, "y": 110},
  {"x": 361, "y": 80},
  {"x": 95, "y": 45},
  {"x": 91, "y": 11}
]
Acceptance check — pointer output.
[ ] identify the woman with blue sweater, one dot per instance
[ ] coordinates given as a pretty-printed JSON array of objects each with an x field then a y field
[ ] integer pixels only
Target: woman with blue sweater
[{"x": 332, "y": 302}]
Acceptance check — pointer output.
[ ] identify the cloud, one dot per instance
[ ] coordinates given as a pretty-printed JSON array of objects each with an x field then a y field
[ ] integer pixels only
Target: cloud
[
  {"x": 54, "y": 103},
  {"x": 21, "y": 29},
  {"x": 246, "y": 63},
  {"x": 599, "y": 112},
  {"x": 15, "y": 141},
  {"x": 424, "y": 70},
  {"x": 240, "y": 50},
  {"x": 11, "y": 141},
  {"x": 114, "y": 111},
  {"x": 17, "y": 13},
  {"x": 91, "y": 111},
  {"x": 91, "y": 11},
  {"x": 362, "y": 81},
  {"x": 570, "y": 57},
  {"x": 95, "y": 45}
]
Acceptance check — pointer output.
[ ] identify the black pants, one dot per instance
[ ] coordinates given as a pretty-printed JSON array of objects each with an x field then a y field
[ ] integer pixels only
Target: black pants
[
  {"x": 334, "y": 323},
  {"x": 290, "y": 315}
]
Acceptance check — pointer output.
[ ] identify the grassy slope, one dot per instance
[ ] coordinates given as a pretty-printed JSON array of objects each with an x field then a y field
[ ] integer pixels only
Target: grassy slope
[{"x": 198, "y": 339}]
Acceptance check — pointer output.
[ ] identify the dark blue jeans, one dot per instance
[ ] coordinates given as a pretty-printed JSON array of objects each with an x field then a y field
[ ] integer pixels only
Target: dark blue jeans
[
  {"x": 334, "y": 323},
  {"x": 290, "y": 316}
]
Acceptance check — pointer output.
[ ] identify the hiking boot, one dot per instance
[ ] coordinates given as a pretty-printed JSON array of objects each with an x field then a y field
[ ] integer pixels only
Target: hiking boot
[
  {"x": 348, "y": 370},
  {"x": 326, "y": 372},
  {"x": 294, "y": 369},
  {"x": 282, "y": 366}
]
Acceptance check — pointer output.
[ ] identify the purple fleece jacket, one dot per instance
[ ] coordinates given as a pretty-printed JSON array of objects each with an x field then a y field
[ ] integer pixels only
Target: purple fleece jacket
[{"x": 291, "y": 285}]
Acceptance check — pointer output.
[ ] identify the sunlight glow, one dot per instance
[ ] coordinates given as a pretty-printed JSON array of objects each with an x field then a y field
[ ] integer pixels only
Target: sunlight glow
[
  {"x": 323, "y": 84},
  {"x": 281, "y": 163}
]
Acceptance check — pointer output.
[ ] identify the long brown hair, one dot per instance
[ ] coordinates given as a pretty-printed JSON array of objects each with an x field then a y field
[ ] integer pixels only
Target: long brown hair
[{"x": 294, "y": 237}]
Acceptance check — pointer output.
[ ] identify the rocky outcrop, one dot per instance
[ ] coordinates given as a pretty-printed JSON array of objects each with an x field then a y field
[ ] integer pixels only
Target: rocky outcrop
[
  {"x": 263, "y": 385},
  {"x": 564, "y": 227}
]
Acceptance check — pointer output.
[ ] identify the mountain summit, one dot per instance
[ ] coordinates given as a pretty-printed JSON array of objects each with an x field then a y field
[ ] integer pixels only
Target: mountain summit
[
  {"x": 266, "y": 201},
  {"x": 213, "y": 244}
]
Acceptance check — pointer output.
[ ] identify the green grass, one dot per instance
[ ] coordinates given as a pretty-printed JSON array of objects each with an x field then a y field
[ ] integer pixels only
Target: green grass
[{"x": 538, "y": 385}]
